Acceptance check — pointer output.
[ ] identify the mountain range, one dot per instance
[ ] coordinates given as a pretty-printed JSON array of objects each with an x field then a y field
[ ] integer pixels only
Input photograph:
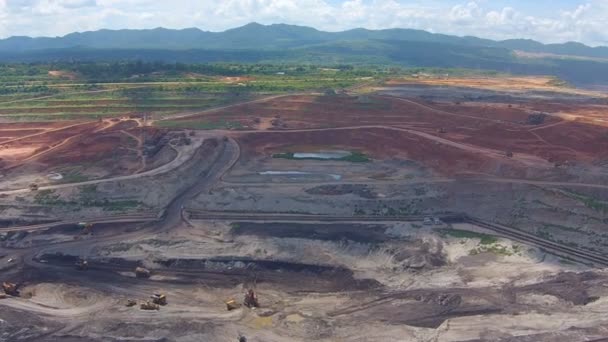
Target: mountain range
[
  {"x": 281, "y": 43},
  {"x": 276, "y": 36}
]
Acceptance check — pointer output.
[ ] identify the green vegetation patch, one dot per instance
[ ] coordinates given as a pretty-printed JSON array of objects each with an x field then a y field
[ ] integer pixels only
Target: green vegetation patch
[
  {"x": 354, "y": 157},
  {"x": 487, "y": 243},
  {"x": 48, "y": 197},
  {"x": 496, "y": 249},
  {"x": 588, "y": 201},
  {"x": 87, "y": 198}
]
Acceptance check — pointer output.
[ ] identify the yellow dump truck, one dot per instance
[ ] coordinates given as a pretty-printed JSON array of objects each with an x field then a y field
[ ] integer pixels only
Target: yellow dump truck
[
  {"x": 87, "y": 227},
  {"x": 231, "y": 304},
  {"x": 159, "y": 298}
]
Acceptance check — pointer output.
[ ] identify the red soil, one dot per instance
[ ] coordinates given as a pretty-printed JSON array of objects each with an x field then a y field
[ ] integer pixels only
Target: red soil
[
  {"x": 380, "y": 144},
  {"x": 484, "y": 126},
  {"x": 104, "y": 150},
  {"x": 92, "y": 143}
]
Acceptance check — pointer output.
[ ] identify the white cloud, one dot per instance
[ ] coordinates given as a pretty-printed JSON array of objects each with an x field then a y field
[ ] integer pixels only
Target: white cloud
[{"x": 584, "y": 20}]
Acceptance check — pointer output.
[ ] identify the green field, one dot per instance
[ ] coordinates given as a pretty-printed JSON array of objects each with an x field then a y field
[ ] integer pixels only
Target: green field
[{"x": 34, "y": 92}]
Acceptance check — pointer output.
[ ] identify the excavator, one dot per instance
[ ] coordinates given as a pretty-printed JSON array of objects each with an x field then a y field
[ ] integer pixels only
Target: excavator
[
  {"x": 82, "y": 265},
  {"x": 251, "y": 299},
  {"x": 10, "y": 289}
]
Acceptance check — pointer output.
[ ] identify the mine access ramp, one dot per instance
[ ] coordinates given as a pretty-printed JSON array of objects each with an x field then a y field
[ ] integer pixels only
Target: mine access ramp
[
  {"x": 549, "y": 246},
  {"x": 278, "y": 217}
]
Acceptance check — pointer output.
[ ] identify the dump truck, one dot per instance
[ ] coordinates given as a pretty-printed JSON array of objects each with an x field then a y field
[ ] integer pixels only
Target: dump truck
[
  {"x": 159, "y": 298},
  {"x": 131, "y": 303},
  {"x": 87, "y": 227},
  {"x": 141, "y": 272},
  {"x": 82, "y": 265},
  {"x": 33, "y": 187},
  {"x": 149, "y": 306},
  {"x": 251, "y": 299},
  {"x": 10, "y": 289},
  {"x": 231, "y": 304}
]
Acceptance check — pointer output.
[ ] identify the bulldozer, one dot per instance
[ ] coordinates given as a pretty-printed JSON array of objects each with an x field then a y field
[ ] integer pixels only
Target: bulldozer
[
  {"x": 10, "y": 289},
  {"x": 82, "y": 265},
  {"x": 149, "y": 306},
  {"x": 251, "y": 299},
  {"x": 141, "y": 272},
  {"x": 231, "y": 304},
  {"x": 159, "y": 298}
]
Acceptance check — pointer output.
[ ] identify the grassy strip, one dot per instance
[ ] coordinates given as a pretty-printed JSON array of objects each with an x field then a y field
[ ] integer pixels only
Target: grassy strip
[
  {"x": 86, "y": 199},
  {"x": 200, "y": 125},
  {"x": 67, "y": 109}
]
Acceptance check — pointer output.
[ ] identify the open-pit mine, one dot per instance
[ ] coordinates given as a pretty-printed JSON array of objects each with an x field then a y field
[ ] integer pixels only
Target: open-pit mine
[{"x": 413, "y": 209}]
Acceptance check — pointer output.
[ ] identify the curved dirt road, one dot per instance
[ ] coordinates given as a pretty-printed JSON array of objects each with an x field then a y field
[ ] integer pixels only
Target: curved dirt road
[
  {"x": 183, "y": 155},
  {"x": 172, "y": 214},
  {"x": 528, "y": 160}
]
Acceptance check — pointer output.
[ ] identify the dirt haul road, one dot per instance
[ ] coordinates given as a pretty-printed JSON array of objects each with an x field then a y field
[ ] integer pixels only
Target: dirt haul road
[
  {"x": 184, "y": 153},
  {"x": 205, "y": 180},
  {"x": 172, "y": 214},
  {"x": 526, "y": 159}
]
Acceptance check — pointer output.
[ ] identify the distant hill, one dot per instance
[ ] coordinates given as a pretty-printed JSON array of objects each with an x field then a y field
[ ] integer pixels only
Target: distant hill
[
  {"x": 255, "y": 43},
  {"x": 268, "y": 37}
]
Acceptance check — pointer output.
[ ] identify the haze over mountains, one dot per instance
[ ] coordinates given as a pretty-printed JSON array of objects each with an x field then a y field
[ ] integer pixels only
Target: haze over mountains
[{"x": 257, "y": 43}]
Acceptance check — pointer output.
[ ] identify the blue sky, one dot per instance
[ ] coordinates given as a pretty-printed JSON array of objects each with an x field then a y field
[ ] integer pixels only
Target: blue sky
[{"x": 544, "y": 20}]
